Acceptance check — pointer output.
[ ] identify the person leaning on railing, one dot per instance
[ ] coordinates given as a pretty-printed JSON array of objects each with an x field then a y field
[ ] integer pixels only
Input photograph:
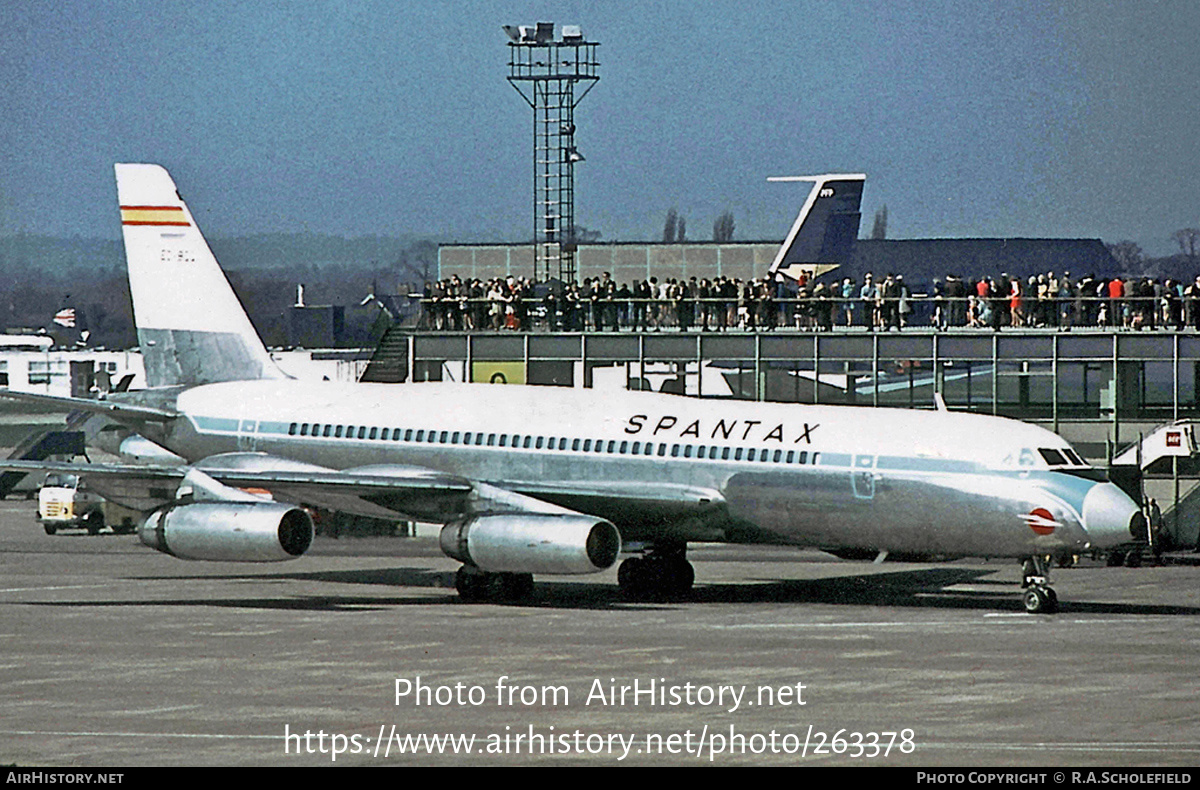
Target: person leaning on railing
[{"x": 1046, "y": 301}]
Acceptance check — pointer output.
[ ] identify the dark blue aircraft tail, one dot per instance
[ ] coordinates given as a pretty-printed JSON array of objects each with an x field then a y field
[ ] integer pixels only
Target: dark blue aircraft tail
[{"x": 826, "y": 227}]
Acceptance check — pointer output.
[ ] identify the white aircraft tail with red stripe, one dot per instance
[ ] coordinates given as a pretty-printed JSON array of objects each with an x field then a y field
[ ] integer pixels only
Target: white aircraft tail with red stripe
[{"x": 191, "y": 326}]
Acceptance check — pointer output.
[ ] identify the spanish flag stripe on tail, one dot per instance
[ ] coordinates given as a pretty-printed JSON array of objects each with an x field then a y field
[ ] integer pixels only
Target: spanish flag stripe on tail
[{"x": 154, "y": 215}]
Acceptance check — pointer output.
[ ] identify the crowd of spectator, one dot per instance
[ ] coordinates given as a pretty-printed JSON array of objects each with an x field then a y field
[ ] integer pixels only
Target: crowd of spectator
[{"x": 880, "y": 303}]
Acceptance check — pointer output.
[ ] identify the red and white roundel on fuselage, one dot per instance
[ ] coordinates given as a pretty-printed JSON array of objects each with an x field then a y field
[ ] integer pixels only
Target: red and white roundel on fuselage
[{"x": 1041, "y": 521}]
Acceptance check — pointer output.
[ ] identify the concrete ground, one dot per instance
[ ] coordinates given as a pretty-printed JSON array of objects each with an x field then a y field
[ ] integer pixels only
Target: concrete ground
[{"x": 113, "y": 655}]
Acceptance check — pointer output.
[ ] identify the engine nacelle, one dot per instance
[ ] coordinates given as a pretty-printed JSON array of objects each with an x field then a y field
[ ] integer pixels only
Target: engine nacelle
[
  {"x": 533, "y": 543},
  {"x": 229, "y": 531}
]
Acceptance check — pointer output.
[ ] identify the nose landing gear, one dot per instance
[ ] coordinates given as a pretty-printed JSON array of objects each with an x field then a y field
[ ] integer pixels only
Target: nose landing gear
[{"x": 1039, "y": 596}]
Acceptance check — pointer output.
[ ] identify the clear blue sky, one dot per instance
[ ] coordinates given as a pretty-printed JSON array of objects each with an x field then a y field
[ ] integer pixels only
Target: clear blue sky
[{"x": 970, "y": 117}]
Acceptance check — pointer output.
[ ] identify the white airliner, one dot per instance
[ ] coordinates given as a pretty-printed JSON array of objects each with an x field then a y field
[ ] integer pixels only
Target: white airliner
[{"x": 547, "y": 480}]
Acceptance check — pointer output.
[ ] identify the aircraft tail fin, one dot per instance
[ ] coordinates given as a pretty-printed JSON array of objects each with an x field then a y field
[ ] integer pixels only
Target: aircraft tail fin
[
  {"x": 190, "y": 324},
  {"x": 826, "y": 227}
]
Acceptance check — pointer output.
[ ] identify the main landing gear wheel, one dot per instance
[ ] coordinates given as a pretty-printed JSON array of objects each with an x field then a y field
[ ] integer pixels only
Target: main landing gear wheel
[
  {"x": 658, "y": 574},
  {"x": 1041, "y": 600},
  {"x": 1039, "y": 597},
  {"x": 474, "y": 585}
]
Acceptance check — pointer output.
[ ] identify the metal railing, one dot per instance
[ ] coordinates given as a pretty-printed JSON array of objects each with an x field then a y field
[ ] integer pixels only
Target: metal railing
[{"x": 814, "y": 313}]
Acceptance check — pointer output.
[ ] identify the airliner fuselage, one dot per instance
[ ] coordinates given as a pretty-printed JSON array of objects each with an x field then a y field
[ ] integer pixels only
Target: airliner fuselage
[{"x": 836, "y": 477}]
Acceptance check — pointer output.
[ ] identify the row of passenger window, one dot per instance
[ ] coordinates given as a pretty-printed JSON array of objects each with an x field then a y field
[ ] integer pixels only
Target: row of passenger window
[{"x": 559, "y": 443}]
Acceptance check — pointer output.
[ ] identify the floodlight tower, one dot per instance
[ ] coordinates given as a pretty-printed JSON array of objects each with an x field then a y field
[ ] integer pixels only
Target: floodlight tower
[{"x": 546, "y": 70}]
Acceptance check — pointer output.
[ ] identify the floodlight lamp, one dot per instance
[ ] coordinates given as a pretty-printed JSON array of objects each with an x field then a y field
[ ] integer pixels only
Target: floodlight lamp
[
  {"x": 574, "y": 156},
  {"x": 572, "y": 33},
  {"x": 513, "y": 31},
  {"x": 545, "y": 32}
]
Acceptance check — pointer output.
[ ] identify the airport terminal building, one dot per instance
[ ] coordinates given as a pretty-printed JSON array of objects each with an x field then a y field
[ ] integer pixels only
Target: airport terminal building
[
  {"x": 625, "y": 261},
  {"x": 919, "y": 260}
]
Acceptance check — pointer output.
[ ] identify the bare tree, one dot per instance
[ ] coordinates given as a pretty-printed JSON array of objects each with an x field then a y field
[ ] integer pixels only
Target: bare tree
[
  {"x": 418, "y": 262},
  {"x": 879, "y": 231},
  {"x": 1128, "y": 256},
  {"x": 670, "y": 225},
  {"x": 723, "y": 227},
  {"x": 1187, "y": 239},
  {"x": 584, "y": 235}
]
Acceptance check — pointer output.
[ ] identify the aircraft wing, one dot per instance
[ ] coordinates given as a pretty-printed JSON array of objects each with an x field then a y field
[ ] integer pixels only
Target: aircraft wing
[
  {"x": 388, "y": 491},
  {"x": 643, "y": 510},
  {"x": 381, "y": 492},
  {"x": 661, "y": 500}
]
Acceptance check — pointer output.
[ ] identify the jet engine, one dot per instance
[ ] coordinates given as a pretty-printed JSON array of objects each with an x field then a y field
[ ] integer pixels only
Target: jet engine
[
  {"x": 229, "y": 531},
  {"x": 533, "y": 543}
]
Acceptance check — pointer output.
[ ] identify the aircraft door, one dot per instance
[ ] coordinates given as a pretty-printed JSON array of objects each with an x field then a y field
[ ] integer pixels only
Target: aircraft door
[
  {"x": 863, "y": 477},
  {"x": 248, "y": 435}
]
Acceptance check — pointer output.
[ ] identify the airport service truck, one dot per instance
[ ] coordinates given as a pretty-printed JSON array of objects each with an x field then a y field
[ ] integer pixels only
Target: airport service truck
[{"x": 65, "y": 502}]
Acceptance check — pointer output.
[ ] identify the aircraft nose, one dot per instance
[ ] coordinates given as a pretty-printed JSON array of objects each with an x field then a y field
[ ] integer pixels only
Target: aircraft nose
[{"x": 1111, "y": 517}]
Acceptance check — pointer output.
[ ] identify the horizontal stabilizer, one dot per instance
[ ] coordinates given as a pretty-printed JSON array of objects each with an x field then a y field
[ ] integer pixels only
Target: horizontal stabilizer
[{"x": 120, "y": 412}]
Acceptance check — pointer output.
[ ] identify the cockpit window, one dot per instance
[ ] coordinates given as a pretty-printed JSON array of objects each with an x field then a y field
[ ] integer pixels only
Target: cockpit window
[
  {"x": 1029, "y": 458},
  {"x": 1052, "y": 456}
]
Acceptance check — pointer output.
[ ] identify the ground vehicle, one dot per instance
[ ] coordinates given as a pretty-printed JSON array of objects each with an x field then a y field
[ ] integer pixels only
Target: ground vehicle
[{"x": 65, "y": 501}]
